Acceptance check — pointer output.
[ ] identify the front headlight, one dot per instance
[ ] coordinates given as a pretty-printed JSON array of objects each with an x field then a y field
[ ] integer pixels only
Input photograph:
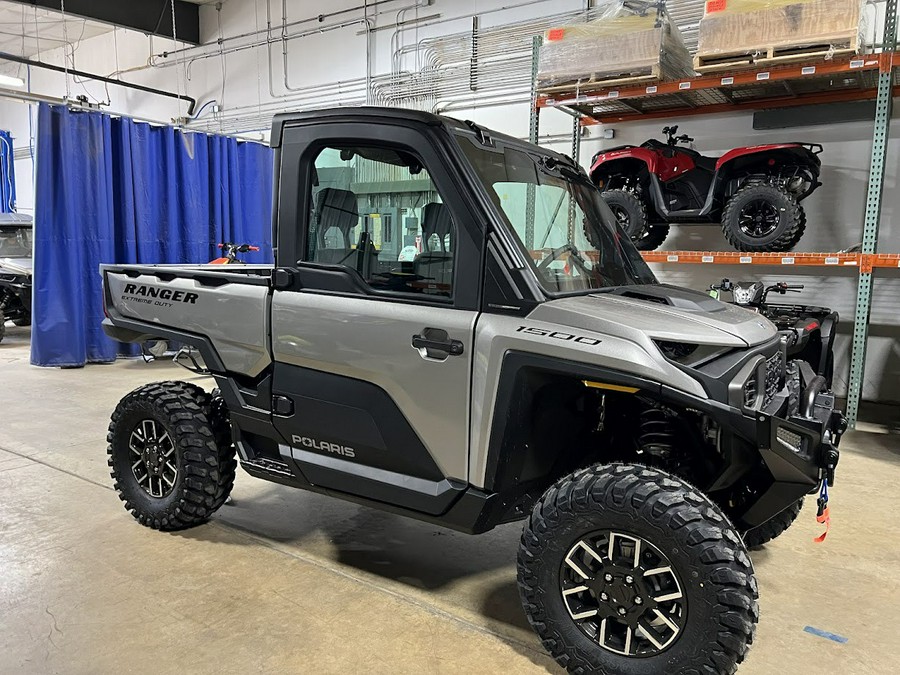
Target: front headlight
[
  {"x": 689, "y": 354},
  {"x": 676, "y": 351}
]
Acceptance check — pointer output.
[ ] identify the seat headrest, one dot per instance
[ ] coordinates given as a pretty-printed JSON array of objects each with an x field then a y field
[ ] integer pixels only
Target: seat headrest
[
  {"x": 336, "y": 208},
  {"x": 436, "y": 221}
]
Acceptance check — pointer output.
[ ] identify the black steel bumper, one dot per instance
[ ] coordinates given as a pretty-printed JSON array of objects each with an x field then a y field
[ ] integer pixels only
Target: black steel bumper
[
  {"x": 802, "y": 425},
  {"x": 798, "y": 434}
]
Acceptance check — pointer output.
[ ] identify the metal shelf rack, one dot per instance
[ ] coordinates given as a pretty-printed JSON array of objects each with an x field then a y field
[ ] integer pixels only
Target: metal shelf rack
[
  {"x": 839, "y": 79},
  {"x": 865, "y": 77}
]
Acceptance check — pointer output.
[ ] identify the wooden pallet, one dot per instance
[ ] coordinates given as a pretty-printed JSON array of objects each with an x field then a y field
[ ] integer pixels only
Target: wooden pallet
[
  {"x": 592, "y": 82},
  {"x": 776, "y": 55}
]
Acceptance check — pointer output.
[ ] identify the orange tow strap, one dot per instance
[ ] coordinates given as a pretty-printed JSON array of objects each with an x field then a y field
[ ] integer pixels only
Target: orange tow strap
[
  {"x": 824, "y": 519},
  {"x": 823, "y": 514}
]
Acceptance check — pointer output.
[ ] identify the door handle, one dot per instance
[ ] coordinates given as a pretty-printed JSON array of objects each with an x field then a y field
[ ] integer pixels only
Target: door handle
[{"x": 438, "y": 340}]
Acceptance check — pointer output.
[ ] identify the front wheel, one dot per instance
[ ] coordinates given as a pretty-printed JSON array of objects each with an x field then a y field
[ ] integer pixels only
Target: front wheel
[
  {"x": 763, "y": 217},
  {"x": 167, "y": 457},
  {"x": 774, "y": 527},
  {"x": 625, "y": 569},
  {"x": 2, "y": 326},
  {"x": 631, "y": 214}
]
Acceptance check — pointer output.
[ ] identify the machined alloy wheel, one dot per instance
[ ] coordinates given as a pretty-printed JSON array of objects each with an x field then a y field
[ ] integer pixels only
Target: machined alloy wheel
[
  {"x": 154, "y": 467},
  {"x": 628, "y": 570},
  {"x": 623, "y": 593},
  {"x": 170, "y": 454}
]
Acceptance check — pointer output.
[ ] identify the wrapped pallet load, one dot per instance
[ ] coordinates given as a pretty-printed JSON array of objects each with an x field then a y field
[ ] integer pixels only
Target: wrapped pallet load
[
  {"x": 735, "y": 33},
  {"x": 627, "y": 41}
]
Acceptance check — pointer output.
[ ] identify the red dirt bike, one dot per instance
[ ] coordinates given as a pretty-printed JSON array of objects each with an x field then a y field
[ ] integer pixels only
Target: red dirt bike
[
  {"x": 754, "y": 192},
  {"x": 231, "y": 250}
]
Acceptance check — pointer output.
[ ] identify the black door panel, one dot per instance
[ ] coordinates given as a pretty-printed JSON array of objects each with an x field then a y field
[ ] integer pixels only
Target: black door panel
[{"x": 350, "y": 419}]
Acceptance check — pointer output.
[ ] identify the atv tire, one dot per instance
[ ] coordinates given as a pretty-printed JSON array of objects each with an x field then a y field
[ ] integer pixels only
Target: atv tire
[
  {"x": 2, "y": 326},
  {"x": 24, "y": 321},
  {"x": 615, "y": 546},
  {"x": 631, "y": 212},
  {"x": 166, "y": 461},
  {"x": 763, "y": 217},
  {"x": 770, "y": 529}
]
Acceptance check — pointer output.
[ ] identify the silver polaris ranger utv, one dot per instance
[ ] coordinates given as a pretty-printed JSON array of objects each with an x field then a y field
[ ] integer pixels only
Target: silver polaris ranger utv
[{"x": 457, "y": 330}]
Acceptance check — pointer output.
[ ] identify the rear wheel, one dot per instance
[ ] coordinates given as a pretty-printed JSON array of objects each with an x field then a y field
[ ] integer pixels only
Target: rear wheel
[
  {"x": 625, "y": 569},
  {"x": 770, "y": 529},
  {"x": 165, "y": 458},
  {"x": 631, "y": 213},
  {"x": 763, "y": 217},
  {"x": 2, "y": 326}
]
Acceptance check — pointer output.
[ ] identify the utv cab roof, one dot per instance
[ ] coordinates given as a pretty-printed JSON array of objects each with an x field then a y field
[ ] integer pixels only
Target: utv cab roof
[{"x": 394, "y": 114}]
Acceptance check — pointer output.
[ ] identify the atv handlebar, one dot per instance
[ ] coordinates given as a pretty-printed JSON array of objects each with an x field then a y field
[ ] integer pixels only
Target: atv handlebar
[
  {"x": 672, "y": 139},
  {"x": 238, "y": 248},
  {"x": 724, "y": 285},
  {"x": 781, "y": 287}
]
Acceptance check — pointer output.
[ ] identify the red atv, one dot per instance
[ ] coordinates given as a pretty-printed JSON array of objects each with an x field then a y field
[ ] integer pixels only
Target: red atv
[{"x": 755, "y": 192}]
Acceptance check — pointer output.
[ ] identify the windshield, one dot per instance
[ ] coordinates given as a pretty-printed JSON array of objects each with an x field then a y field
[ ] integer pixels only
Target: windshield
[
  {"x": 15, "y": 242},
  {"x": 565, "y": 228}
]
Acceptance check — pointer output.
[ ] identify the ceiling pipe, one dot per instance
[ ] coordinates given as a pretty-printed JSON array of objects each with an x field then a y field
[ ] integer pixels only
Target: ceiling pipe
[{"x": 192, "y": 103}]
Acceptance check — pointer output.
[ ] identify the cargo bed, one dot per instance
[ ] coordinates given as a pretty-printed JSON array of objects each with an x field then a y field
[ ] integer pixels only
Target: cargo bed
[{"x": 221, "y": 310}]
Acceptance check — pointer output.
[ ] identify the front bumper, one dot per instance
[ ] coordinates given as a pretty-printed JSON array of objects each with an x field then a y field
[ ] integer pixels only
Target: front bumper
[
  {"x": 802, "y": 423},
  {"x": 797, "y": 436}
]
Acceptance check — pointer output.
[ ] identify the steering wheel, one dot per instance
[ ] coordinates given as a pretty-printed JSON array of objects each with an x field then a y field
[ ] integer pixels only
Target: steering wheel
[{"x": 557, "y": 252}]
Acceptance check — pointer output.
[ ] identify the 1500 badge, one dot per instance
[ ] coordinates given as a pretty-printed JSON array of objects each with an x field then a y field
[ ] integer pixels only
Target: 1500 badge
[{"x": 559, "y": 335}]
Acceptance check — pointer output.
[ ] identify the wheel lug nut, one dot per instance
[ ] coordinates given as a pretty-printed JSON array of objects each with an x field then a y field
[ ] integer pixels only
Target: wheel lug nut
[
  {"x": 608, "y": 578},
  {"x": 621, "y": 611},
  {"x": 629, "y": 579},
  {"x": 604, "y": 597},
  {"x": 639, "y": 600}
]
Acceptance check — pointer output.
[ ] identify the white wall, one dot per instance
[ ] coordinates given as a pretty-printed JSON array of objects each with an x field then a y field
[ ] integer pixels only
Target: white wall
[{"x": 835, "y": 212}]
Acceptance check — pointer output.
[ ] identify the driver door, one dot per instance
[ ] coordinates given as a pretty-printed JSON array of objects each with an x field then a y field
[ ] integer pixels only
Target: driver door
[{"x": 373, "y": 351}]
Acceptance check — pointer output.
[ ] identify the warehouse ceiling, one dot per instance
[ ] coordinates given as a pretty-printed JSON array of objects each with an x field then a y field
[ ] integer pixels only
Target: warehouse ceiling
[
  {"x": 26, "y": 30},
  {"x": 147, "y": 16}
]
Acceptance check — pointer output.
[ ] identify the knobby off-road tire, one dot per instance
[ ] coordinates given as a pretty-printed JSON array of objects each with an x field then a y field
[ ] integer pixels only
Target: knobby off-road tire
[
  {"x": 710, "y": 592},
  {"x": 24, "y": 321},
  {"x": 631, "y": 212},
  {"x": 2, "y": 326},
  {"x": 774, "y": 527},
  {"x": 164, "y": 456},
  {"x": 782, "y": 220}
]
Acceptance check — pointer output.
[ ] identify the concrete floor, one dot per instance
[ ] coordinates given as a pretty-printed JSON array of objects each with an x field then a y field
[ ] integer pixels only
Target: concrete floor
[{"x": 285, "y": 581}]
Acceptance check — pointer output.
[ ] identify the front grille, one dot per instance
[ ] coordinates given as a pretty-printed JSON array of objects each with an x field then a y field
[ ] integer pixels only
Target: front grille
[{"x": 774, "y": 377}]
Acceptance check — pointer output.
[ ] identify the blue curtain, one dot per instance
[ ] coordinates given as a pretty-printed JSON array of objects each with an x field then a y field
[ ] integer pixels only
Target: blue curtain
[
  {"x": 113, "y": 190},
  {"x": 7, "y": 174}
]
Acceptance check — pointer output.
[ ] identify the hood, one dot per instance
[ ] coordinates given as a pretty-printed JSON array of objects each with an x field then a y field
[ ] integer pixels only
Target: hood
[
  {"x": 662, "y": 312},
  {"x": 16, "y": 265}
]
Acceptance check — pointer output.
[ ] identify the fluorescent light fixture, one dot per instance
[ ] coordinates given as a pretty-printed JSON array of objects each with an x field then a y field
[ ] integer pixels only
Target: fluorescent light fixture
[{"x": 10, "y": 81}]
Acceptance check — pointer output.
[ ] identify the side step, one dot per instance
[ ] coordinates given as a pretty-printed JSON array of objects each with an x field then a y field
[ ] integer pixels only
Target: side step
[{"x": 266, "y": 465}]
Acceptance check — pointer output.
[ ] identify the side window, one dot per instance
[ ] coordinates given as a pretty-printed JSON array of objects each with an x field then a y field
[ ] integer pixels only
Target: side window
[{"x": 377, "y": 210}]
